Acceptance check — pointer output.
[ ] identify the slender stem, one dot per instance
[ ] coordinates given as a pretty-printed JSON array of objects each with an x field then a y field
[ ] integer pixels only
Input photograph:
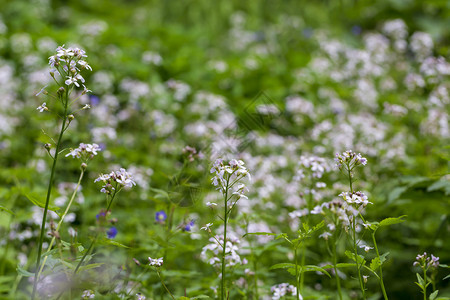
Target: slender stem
[
  {"x": 338, "y": 280},
  {"x": 381, "y": 268},
  {"x": 355, "y": 247},
  {"x": 61, "y": 220},
  {"x": 424, "y": 284},
  {"x": 85, "y": 254},
  {"x": 355, "y": 250},
  {"x": 302, "y": 274},
  {"x": 297, "y": 281},
  {"x": 162, "y": 282},
  {"x": 255, "y": 265},
  {"x": 225, "y": 221},
  {"x": 47, "y": 200}
]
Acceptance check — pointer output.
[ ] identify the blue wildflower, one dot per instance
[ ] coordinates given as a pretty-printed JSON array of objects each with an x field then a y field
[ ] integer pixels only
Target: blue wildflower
[
  {"x": 112, "y": 232},
  {"x": 188, "y": 226},
  {"x": 160, "y": 216}
]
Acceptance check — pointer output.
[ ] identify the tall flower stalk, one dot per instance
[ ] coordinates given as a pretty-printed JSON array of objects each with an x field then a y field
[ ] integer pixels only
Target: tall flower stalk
[
  {"x": 356, "y": 201},
  {"x": 67, "y": 66},
  {"x": 228, "y": 180}
]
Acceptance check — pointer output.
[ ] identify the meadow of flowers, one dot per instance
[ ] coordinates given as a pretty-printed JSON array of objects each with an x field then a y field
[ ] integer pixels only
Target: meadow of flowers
[{"x": 224, "y": 150}]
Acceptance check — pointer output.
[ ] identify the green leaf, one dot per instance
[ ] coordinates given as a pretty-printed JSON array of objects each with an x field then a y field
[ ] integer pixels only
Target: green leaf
[
  {"x": 378, "y": 261},
  {"x": 90, "y": 266},
  {"x": 114, "y": 243},
  {"x": 396, "y": 193},
  {"x": 200, "y": 297},
  {"x": 160, "y": 192},
  {"x": 24, "y": 272},
  {"x": 259, "y": 233},
  {"x": 392, "y": 221},
  {"x": 438, "y": 185},
  {"x": 318, "y": 226},
  {"x": 446, "y": 277},
  {"x": 359, "y": 259},
  {"x": 2, "y": 208},
  {"x": 282, "y": 266},
  {"x": 434, "y": 295},
  {"x": 345, "y": 265},
  {"x": 40, "y": 203},
  {"x": 309, "y": 268},
  {"x": 420, "y": 280}
]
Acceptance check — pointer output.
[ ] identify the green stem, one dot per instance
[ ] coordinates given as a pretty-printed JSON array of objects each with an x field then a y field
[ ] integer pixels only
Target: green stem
[
  {"x": 297, "y": 280},
  {"x": 47, "y": 200},
  {"x": 225, "y": 221},
  {"x": 358, "y": 266},
  {"x": 355, "y": 247},
  {"x": 302, "y": 274},
  {"x": 381, "y": 268},
  {"x": 96, "y": 235},
  {"x": 338, "y": 280},
  {"x": 425, "y": 284},
  {"x": 61, "y": 220},
  {"x": 162, "y": 282}
]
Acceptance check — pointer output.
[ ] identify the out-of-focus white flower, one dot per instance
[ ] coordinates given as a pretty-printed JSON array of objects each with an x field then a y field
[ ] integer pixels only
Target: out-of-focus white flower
[
  {"x": 84, "y": 151},
  {"x": 157, "y": 262},
  {"x": 42, "y": 107},
  {"x": 207, "y": 227},
  {"x": 282, "y": 289},
  {"x": 116, "y": 179},
  {"x": 88, "y": 294}
]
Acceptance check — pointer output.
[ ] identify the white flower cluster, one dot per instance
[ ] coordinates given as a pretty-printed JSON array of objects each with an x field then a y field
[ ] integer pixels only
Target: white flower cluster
[
  {"x": 115, "y": 179},
  {"x": 336, "y": 210},
  {"x": 280, "y": 290},
  {"x": 317, "y": 165},
  {"x": 212, "y": 252},
  {"x": 358, "y": 198},
  {"x": 425, "y": 261},
  {"x": 349, "y": 159},
  {"x": 157, "y": 262},
  {"x": 228, "y": 174},
  {"x": 84, "y": 151},
  {"x": 88, "y": 294},
  {"x": 69, "y": 63}
]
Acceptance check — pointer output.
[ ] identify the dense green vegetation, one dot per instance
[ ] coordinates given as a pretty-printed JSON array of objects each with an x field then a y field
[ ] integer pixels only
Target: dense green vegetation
[{"x": 282, "y": 86}]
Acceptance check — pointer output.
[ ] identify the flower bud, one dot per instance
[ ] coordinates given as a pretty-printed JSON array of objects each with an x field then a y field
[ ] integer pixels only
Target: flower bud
[
  {"x": 47, "y": 146},
  {"x": 70, "y": 117},
  {"x": 61, "y": 90},
  {"x": 136, "y": 262},
  {"x": 83, "y": 166}
]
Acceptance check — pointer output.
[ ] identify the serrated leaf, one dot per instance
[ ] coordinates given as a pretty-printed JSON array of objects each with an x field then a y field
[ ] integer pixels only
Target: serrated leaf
[
  {"x": 318, "y": 226},
  {"x": 378, "y": 261},
  {"x": 359, "y": 259},
  {"x": 392, "y": 221},
  {"x": 282, "y": 266},
  {"x": 24, "y": 272},
  {"x": 434, "y": 294}
]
